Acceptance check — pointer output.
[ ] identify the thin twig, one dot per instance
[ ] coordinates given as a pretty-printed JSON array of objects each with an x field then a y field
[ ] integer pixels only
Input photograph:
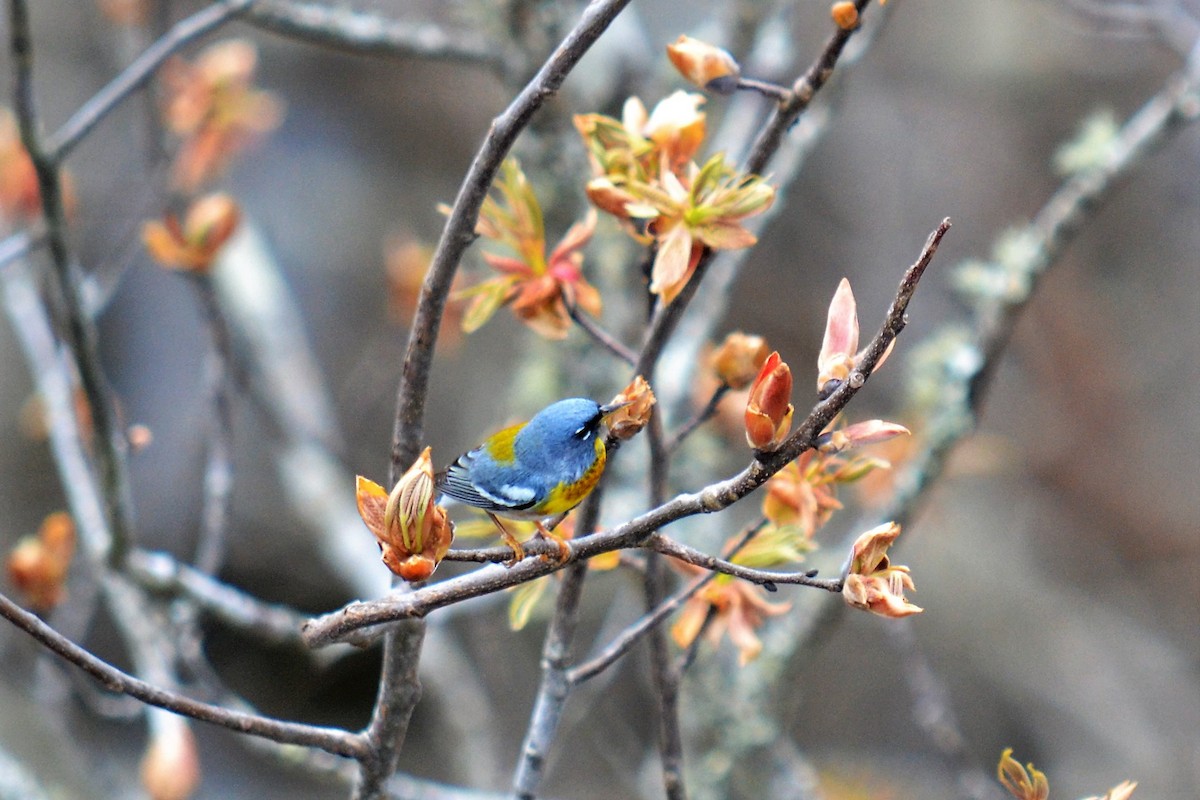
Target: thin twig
[
  {"x": 601, "y": 336},
  {"x": 803, "y": 91},
  {"x": 1051, "y": 229},
  {"x": 218, "y": 468},
  {"x": 774, "y": 91},
  {"x": 715, "y": 497},
  {"x": 331, "y": 740},
  {"x": 459, "y": 231},
  {"x": 360, "y": 31},
  {"x": 690, "y": 555},
  {"x": 933, "y": 713},
  {"x": 81, "y": 334},
  {"x": 664, "y": 679},
  {"x": 666, "y": 317},
  {"x": 623, "y": 642},
  {"x": 139, "y": 71},
  {"x": 702, "y": 416},
  {"x": 269, "y": 622}
]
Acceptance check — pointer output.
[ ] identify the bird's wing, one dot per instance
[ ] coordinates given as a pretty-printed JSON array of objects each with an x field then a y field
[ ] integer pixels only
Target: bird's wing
[{"x": 468, "y": 483}]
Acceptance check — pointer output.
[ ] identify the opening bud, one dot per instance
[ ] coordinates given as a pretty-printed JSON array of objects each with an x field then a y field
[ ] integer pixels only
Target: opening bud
[
  {"x": 739, "y": 358},
  {"x": 768, "y": 409},
  {"x": 704, "y": 65}
]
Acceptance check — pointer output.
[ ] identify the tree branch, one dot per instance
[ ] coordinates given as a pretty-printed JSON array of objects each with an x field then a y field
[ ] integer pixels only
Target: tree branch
[
  {"x": 554, "y": 687},
  {"x": 160, "y": 572},
  {"x": 623, "y": 642},
  {"x": 334, "y": 741},
  {"x": 715, "y": 497},
  {"x": 81, "y": 335},
  {"x": 139, "y": 71},
  {"x": 803, "y": 91},
  {"x": 599, "y": 335},
  {"x": 702, "y": 416},
  {"x": 689, "y": 555},
  {"x": 459, "y": 231},
  {"x": 1052, "y": 228}
]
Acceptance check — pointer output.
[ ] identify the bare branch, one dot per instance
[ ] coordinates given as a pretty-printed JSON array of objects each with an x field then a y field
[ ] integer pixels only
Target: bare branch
[
  {"x": 599, "y": 335},
  {"x": 555, "y": 685},
  {"x": 702, "y": 416},
  {"x": 81, "y": 335},
  {"x": 160, "y": 572},
  {"x": 218, "y": 468},
  {"x": 139, "y": 71},
  {"x": 399, "y": 691},
  {"x": 331, "y": 740},
  {"x": 690, "y": 555},
  {"x": 621, "y": 644},
  {"x": 1051, "y": 229},
  {"x": 459, "y": 231},
  {"x": 803, "y": 91}
]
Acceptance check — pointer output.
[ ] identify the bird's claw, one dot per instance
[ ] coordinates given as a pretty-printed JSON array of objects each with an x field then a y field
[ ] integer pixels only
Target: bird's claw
[{"x": 564, "y": 549}]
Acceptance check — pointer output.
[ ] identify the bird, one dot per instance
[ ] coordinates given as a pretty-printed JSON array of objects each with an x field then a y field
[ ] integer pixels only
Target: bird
[{"x": 535, "y": 469}]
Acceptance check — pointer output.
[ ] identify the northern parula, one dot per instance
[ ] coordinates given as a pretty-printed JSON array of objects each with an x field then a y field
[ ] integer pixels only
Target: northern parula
[{"x": 534, "y": 469}]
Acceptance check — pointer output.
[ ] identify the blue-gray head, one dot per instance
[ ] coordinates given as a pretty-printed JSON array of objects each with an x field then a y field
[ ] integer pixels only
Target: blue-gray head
[{"x": 562, "y": 436}]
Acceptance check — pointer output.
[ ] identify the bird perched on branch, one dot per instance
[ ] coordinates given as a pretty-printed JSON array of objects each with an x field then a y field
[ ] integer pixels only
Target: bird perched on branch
[{"x": 535, "y": 469}]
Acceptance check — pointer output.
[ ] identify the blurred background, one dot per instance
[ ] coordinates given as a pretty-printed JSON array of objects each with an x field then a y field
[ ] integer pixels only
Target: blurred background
[{"x": 1058, "y": 560}]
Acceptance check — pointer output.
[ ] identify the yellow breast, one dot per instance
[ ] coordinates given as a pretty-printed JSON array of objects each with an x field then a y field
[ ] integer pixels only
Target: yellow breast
[{"x": 566, "y": 496}]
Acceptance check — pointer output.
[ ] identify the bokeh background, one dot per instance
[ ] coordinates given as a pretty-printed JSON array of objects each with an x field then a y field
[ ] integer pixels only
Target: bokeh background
[{"x": 1058, "y": 561}]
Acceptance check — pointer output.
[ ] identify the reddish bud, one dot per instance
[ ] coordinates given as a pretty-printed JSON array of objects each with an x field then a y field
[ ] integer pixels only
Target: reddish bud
[
  {"x": 193, "y": 245},
  {"x": 768, "y": 409}
]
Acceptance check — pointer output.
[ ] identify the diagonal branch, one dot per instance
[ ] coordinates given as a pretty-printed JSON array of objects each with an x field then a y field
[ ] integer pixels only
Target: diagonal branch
[
  {"x": 139, "y": 71},
  {"x": 1052, "y": 228},
  {"x": 621, "y": 644},
  {"x": 331, "y": 740},
  {"x": 715, "y": 497},
  {"x": 81, "y": 334},
  {"x": 399, "y": 688},
  {"x": 690, "y": 555},
  {"x": 802, "y": 92},
  {"x": 459, "y": 231}
]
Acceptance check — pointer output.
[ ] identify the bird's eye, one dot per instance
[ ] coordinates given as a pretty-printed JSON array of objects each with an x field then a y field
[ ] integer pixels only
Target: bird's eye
[{"x": 582, "y": 433}]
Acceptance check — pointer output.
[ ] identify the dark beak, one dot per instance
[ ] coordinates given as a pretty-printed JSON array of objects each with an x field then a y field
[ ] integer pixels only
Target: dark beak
[{"x": 605, "y": 410}]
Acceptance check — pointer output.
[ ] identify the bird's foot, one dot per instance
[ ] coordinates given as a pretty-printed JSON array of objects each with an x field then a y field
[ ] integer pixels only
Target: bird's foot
[
  {"x": 510, "y": 540},
  {"x": 564, "y": 549}
]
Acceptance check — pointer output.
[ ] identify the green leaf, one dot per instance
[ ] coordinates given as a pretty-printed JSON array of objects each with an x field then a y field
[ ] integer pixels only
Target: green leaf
[
  {"x": 524, "y": 599},
  {"x": 489, "y": 296}
]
